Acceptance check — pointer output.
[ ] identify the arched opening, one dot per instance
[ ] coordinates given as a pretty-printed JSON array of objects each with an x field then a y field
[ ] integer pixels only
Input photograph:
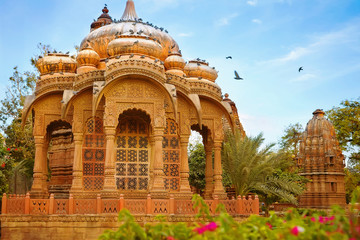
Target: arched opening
[
  {"x": 60, "y": 158},
  {"x": 133, "y": 151},
  {"x": 199, "y": 145}
]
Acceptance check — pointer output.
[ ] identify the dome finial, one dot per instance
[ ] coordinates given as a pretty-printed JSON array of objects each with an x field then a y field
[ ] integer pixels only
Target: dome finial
[{"x": 130, "y": 13}]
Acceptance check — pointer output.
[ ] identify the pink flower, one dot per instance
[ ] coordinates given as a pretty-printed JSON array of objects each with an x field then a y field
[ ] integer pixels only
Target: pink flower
[
  {"x": 313, "y": 219},
  {"x": 269, "y": 225},
  {"x": 321, "y": 219},
  {"x": 170, "y": 238},
  {"x": 296, "y": 230},
  {"x": 332, "y": 218},
  {"x": 209, "y": 227}
]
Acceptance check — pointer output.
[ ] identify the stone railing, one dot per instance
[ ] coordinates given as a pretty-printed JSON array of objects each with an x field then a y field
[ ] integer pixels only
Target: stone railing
[{"x": 23, "y": 204}]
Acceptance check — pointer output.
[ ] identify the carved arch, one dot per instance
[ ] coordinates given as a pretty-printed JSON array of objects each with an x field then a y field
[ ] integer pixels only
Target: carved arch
[{"x": 126, "y": 75}]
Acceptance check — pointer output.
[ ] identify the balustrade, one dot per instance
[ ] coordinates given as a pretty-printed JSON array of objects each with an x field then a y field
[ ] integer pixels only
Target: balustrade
[{"x": 22, "y": 204}]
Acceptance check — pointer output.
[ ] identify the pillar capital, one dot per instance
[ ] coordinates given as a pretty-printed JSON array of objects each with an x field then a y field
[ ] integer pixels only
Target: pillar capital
[
  {"x": 78, "y": 137},
  {"x": 110, "y": 130},
  {"x": 39, "y": 139},
  {"x": 218, "y": 144},
  {"x": 184, "y": 139}
]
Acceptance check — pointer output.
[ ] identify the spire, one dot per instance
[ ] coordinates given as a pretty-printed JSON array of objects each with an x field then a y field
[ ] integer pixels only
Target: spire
[{"x": 130, "y": 13}]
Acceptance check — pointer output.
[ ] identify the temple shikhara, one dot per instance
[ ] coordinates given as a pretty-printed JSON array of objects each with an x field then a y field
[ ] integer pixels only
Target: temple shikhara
[
  {"x": 111, "y": 129},
  {"x": 321, "y": 161}
]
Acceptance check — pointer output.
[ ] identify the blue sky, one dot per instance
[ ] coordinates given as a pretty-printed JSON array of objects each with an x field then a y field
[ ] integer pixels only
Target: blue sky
[{"x": 268, "y": 40}]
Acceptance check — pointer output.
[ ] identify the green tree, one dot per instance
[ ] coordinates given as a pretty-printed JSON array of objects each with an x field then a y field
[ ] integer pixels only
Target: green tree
[
  {"x": 19, "y": 140},
  {"x": 291, "y": 139},
  {"x": 346, "y": 121},
  {"x": 6, "y": 166},
  {"x": 197, "y": 166},
  {"x": 253, "y": 169}
]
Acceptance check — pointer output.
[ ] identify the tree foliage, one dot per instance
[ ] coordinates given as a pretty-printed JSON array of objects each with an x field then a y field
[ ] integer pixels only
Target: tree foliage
[
  {"x": 291, "y": 139},
  {"x": 19, "y": 140},
  {"x": 197, "y": 166},
  {"x": 346, "y": 120},
  {"x": 253, "y": 169}
]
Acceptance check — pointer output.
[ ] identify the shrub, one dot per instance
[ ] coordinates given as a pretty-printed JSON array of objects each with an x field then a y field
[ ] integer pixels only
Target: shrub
[{"x": 304, "y": 224}]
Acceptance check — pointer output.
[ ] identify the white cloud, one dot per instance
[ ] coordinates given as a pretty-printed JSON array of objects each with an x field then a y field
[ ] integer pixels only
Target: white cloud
[
  {"x": 257, "y": 21},
  {"x": 304, "y": 78},
  {"x": 323, "y": 43},
  {"x": 252, "y": 2},
  {"x": 291, "y": 56},
  {"x": 225, "y": 20},
  {"x": 185, "y": 34}
]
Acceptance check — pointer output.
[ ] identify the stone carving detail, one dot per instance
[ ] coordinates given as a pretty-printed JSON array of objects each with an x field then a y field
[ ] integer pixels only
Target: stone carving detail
[
  {"x": 94, "y": 150},
  {"x": 132, "y": 155},
  {"x": 171, "y": 156}
]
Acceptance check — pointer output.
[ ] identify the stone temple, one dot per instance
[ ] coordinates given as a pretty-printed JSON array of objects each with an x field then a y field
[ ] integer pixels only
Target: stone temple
[
  {"x": 321, "y": 161},
  {"x": 111, "y": 130}
]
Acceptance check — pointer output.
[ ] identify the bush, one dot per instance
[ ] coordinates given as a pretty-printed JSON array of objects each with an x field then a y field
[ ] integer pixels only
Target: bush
[{"x": 294, "y": 224}]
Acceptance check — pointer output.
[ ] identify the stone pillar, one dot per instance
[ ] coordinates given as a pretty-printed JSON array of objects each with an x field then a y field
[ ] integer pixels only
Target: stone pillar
[
  {"x": 184, "y": 168},
  {"x": 218, "y": 186},
  {"x": 151, "y": 166},
  {"x": 77, "y": 182},
  {"x": 158, "y": 188},
  {"x": 45, "y": 167},
  {"x": 37, "y": 189},
  {"x": 209, "y": 173},
  {"x": 109, "y": 190}
]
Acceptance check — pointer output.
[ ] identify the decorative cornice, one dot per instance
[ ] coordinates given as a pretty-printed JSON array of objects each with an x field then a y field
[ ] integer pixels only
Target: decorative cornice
[
  {"x": 180, "y": 83},
  {"x": 203, "y": 88},
  {"x": 56, "y": 83},
  {"x": 86, "y": 79},
  {"x": 135, "y": 67}
]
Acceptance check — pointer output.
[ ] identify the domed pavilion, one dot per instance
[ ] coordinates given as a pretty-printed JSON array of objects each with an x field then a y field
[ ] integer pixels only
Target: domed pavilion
[{"x": 117, "y": 118}]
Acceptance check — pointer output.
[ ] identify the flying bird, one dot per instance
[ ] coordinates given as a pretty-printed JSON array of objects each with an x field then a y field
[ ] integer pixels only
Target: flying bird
[
  {"x": 229, "y": 57},
  {"x": 237, "y": 77},
  {"x": 300, "y": 68}
]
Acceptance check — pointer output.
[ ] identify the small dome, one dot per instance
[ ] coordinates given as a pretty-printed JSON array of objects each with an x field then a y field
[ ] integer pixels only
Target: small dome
[
  {"x": 88, "y": 57},
  {"x": 134, "y": 45},
  {"x": 174, "y": 61},
  {"x": 200, "y": 69},
  {"x": 104, "y": 19},
  {"x": 56, "y": 63}
]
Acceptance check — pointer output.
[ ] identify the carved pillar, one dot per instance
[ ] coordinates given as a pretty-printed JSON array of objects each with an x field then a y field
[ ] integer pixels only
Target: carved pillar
[
  {"x": 158, "y": 188},
  {"x": 37, "y": 189},
  {"x": 209, "y": 172},
  {"x": 218, "y": 187},
  {"x": 109, "y": 179},
  {"x": 151, "y": 167},
  {"x": 184, "y": 167},
  {"x": 45, "y": 166},
  {"x": 77, "y": 182}
]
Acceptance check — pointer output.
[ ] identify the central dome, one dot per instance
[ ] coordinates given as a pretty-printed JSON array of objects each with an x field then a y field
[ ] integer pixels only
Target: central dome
[{"x": 129, "y": 26}]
